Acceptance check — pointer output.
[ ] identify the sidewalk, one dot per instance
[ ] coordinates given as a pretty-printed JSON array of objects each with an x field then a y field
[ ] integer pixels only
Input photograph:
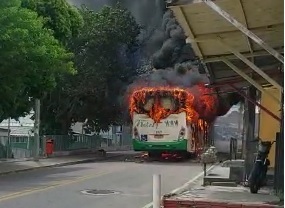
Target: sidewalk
[
  {"x": 13, "y": 166},
  {"x": 222, "y": 197},
  {"x": 223, "y": 193}
]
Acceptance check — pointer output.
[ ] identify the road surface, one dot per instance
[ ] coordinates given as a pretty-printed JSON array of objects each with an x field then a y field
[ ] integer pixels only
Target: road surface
[{"x": 63, "y": 187}]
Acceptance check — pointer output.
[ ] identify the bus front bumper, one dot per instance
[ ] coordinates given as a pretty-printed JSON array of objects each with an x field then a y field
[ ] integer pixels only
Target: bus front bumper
[{"x": 150, "y": 146}]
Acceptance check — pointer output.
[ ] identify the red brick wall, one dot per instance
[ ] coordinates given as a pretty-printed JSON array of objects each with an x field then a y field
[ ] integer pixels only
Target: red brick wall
[{"x": 174, "y": 203}]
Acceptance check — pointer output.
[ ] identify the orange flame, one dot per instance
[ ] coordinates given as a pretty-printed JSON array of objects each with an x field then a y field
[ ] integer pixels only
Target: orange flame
[
  {"x": 157, "y": 111},
  {"x": 206, "y": 102},
  {"x": 202, "y": 106}
]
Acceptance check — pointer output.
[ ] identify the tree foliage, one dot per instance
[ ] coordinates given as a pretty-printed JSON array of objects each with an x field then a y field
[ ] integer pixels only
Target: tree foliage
[
  {"x": 30, "y": 59},
  {"x": 59, "y": 16},
  {"x": 102, "y": 52}
]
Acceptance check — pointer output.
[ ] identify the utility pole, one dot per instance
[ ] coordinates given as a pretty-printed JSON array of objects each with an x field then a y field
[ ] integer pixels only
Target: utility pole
[
  {"x": 9, "y": 140},
  {"x": 37, "y": 130}
]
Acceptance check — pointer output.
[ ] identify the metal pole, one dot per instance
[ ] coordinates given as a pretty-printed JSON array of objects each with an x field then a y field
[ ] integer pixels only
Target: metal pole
[
  {"x": 231, "y": 148},
  {"x": 37, "y": 130},
  {"x": 249, "y": 131},
  {"x": 235, "y": 148},
  {"x": 239, "y": 128},
  {"x": 279, "y": 153},
  {"x": 156, "y": 196},
  {"x": 205, "y": 169},
  {"x": 108, "y": 137}
]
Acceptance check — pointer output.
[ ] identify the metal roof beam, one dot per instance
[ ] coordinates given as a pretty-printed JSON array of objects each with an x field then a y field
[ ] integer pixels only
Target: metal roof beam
[
  {"x": 188, "y": 30},
  {"x": 252, "y": 65},
  {"x": 247, "y": 55},
  {"x": 246, "y": 25},
  {"x": 249, "y": 79},
  {"x": 228, "y": 34},
  {"x": 243, "y": 29},
  {"x": 238, "y": 78},
  {"x": 179, "y": 12},
  {"x": 175, "y": 3}
]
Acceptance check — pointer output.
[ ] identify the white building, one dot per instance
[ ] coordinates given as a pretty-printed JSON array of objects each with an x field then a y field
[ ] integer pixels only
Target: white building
[{"x": 21, "y": 127}]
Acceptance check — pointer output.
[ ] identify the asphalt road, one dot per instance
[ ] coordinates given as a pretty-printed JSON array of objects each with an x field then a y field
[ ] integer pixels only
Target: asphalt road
[{"x": 62, "y": 187}]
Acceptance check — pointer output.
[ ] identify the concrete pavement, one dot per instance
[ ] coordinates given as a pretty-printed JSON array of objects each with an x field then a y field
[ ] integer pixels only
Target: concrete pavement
[
  {"x": 63, "y": 187},
  {"x": 221, "y": 195}
]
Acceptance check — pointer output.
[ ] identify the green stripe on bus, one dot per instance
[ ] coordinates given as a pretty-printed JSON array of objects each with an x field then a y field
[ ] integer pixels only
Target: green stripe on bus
[{"x": 146, "y": 146}]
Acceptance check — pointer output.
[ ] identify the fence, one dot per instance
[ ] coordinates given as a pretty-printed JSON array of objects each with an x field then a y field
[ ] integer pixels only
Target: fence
[
  {"x": 22, "y": 146},
  {"x": 74, "y": 142},
  {"x": 16, "y": 147}
]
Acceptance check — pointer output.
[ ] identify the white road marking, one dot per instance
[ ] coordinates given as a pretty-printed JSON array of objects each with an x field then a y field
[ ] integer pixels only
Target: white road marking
[{"x": 185, "y": 186}]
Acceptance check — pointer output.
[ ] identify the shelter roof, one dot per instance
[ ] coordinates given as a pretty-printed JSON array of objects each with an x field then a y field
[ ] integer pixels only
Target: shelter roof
[{"x": 216, "y": 40}]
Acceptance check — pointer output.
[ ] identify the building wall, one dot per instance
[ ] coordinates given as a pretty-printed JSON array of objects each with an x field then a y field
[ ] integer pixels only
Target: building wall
[
  {"x": 3, "y": 133},
  {"x": 268, "y": 125}
]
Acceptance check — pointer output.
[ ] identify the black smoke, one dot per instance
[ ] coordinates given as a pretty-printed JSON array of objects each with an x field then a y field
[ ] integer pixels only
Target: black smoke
[
  {"x": 184, "y": 75},
  {"x": 172, "y": 59},
  {"x": 162, "y": 46},
  {"x": 171, "y": 40}
]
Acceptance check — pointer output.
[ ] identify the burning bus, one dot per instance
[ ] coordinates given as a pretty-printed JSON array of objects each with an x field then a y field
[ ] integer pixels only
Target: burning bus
[{"x": 170, "y": 119}]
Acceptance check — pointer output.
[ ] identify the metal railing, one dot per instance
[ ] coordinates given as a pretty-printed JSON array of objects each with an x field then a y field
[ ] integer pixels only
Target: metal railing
[
  {"x": 23, "y": 146},
  {"x": 73, "y": 142},
  {"x": 16, "y": 147}
]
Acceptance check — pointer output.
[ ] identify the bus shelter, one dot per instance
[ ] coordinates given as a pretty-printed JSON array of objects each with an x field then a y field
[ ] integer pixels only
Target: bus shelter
[{"x": 240, "y": 43}]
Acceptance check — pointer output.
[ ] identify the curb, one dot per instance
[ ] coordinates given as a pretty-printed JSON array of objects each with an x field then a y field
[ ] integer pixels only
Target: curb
[
  {"x": 198, "y": 203},
  {"x": 188, "y": 184},
  {"x": 60, "y": 164}
]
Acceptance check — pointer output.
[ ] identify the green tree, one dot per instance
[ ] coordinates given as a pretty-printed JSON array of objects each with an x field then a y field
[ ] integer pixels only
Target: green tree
[
  {"x": 11, "y": 3},
  {"x": 59, "y": 16},
  {"x": 30, "y": 59},
  {"x": 102, "y": 43}
]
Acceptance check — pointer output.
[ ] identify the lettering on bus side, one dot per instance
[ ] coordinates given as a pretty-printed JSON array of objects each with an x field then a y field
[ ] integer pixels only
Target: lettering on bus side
[
  {"x": 144, "y": 123},
  {"x": 171, "y": 123}
]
